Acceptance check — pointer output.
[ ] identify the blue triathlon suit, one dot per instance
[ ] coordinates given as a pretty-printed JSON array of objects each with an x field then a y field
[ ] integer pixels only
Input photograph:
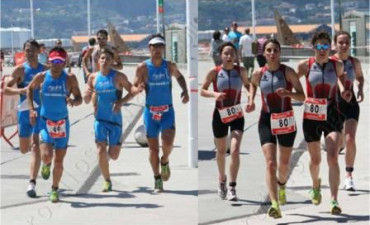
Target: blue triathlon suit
[
  {"x": 108, "y": 124},
  {"x": 54, "y": 121},
  {"x": 158, "y": 113},
  {"x": 24, "y": 126}
]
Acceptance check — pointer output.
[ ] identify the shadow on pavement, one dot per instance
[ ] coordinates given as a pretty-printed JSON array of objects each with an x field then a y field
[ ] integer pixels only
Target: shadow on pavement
[{"x": 342, "y": 218}]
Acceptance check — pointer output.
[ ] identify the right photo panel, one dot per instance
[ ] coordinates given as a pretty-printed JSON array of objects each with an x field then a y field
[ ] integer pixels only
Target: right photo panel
[{"x": 283, "y": 125}]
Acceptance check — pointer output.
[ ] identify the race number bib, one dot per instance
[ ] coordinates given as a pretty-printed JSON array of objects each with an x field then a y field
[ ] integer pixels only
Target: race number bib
[
  {"x": 56, "y": 129},
  {"x": 231, "y": 113},
  {"x": 315, "y": 109},
  {"x": 282, "y": 123},
  {"x": 157, "y": 111}
]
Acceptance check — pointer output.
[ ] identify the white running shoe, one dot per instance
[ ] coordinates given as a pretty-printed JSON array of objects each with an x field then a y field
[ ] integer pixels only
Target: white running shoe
[
  {"x": 349, "y": 185},
  {"x": 31, "y": 191},
  {"x": 231, "y": 195},
  {"x": 222, "y": 190}
]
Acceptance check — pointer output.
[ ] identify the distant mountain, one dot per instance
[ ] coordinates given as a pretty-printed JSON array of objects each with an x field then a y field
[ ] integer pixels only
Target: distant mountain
[
  {"x": 61, "y": 19},
  {"x": 216, "y": 14}
]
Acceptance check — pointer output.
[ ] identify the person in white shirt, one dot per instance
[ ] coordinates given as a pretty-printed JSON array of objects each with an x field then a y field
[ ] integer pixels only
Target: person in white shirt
[
  {"x": 225, "y": 36},
  {"x": 245, "y": 52}
]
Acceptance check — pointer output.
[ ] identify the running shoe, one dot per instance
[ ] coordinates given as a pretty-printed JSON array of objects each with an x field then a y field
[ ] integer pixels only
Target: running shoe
[
  {"x": 231, "y": 195},
  {"x": 165, "y": 171},
  {"x": 315, "y": 194},
  {"x": 222, "y": 190},
  {"x": 45, "y": 171},
  {"x": 158, "y": 185},
  {"x": 107, "y": 186},
  {"x": 31, "y": 191},
  {"x": 335, "y": 209},
  {"x": 348, "y": 184},
  {"x": 54, "y": 196},
  {"x": 274, "y": 210},
  {"x": 282, "y": 195}
]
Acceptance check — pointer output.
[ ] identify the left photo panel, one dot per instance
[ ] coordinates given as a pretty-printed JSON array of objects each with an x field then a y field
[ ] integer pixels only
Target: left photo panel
[{"x": 96, "y": 99}]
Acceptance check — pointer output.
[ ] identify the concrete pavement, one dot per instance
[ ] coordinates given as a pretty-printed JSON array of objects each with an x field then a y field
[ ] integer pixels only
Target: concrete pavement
[
  {"x": 251, "y": 188},
  {"x": 82, "y": 202}
]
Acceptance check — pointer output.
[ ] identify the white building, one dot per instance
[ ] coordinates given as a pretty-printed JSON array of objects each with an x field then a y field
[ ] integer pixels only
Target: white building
[{"x": 14, "y": 37}]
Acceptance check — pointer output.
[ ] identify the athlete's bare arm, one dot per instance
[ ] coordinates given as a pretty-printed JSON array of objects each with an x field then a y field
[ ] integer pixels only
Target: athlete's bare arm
[
  {"x": 211, "y": 76},
  {"x": 360, "y": 80},
  {"x": 89, "y": 88},
  {"x": 180, "y": 80},
  {"x": 15, "y": 78},
  {"x": 34, "y": 84},
  {"x": 244, "y": 77},
  {"x": 302, "y": 68},
  {"x": 292, "y": 77},
  {"x": 255, "y": 82},
  {"x": 72, "y": 84},
  {"x": 117, "y": 65},
  {"x": 85, "y": 61},
  {"x": 346, "y": 94}
]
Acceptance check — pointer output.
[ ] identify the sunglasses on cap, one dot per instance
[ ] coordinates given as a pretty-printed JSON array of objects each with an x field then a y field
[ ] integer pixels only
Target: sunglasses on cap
[
  {"x": 322, "y": 46},
  {"x": 57, "y": 61}
]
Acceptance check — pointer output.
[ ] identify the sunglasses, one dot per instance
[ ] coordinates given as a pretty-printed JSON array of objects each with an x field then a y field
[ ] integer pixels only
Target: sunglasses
[
  {"x": 57, "y": 61},
  {"x": 322, "y": 46}
]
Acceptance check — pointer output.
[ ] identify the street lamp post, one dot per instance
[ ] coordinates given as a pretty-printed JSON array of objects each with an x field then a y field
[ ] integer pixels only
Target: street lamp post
[{"x": 32, "y": 26}]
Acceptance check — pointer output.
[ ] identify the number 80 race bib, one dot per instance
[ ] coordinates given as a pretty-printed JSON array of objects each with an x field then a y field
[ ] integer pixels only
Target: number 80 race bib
[
  {"x": 315, "y": 109},
  {"x": 231, "y": 113},
  {"x": 282, "y": 123}
]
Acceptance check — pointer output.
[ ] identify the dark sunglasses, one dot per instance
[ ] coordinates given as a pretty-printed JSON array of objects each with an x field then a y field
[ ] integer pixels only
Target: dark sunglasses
[
  {"x": 57, "y": 61},
  {"x": 322, "y": 46}
]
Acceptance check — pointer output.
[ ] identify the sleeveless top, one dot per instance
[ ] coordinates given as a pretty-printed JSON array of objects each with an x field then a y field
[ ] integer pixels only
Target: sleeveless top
[
  {"x": 230, "y": 83},
  {"x": 270, "y": 81},
  {"x": 106, "y": 96},
  {"x": 159, "y": 85},
  {"x": 322, "y": 80},
  {"x": 53, "y": 97},
  {"x": 29, "y": 73}
]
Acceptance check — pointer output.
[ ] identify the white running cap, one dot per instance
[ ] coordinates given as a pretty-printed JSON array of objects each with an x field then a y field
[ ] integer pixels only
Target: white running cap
[{"x": 156, "y": 40}]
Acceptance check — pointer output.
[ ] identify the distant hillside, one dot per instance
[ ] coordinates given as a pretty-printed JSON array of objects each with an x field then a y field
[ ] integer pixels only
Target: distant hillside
[
  {"x": 61, "y": 19},
  {"x": 216, "y": 14}
]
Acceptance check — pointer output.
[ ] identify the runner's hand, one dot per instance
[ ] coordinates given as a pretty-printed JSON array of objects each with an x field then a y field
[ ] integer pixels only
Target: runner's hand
[
  {"x": 117, "y": 106},
  {"x": 346, "y": 95},
  {"x": 33, "y": 116},
  {"x": 184, "y": 97},
  {"x": 250, "y": 107},
  {"x": 282, "y": 92},
  {"x": 69, "y": 101},
  {"x": 219, "y": 96},
  {"x": 360, "y": 96}
]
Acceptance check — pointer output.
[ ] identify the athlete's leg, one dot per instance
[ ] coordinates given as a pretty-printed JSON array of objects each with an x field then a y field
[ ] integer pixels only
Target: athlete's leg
[
  {"x": 236, "y": 137},
  {"x": 35, "y": 156},
  {"x": 350, "y": 128},
  {"x": 154, "y": 155},
  {"x": 58, "y": 166},
  {"x": 315, "y": 160},
  {"x": 103, "y": 159},
  {"x": 269, "y": 151},
  {"x": 284, "y": 160},
  {"x": 332, "y": 147},
  {"x": 221, "y": 145}
]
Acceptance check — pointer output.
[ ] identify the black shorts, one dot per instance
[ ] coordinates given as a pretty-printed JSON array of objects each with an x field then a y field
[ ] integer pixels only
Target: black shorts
[
  {"x": 266, "y": 136},
  {"x": 349, "y": 110},
  {"x": 312, "y": 129},
  {"x": 221, "y": 129}
]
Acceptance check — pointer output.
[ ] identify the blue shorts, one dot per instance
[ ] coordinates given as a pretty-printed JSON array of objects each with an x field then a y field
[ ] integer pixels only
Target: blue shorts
[
  {"x": 59, "y": 140},
  {"x": 107, "y": 132},
  {"x": 154, "y": 125},
  {"x": 25, "y": 128}
]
